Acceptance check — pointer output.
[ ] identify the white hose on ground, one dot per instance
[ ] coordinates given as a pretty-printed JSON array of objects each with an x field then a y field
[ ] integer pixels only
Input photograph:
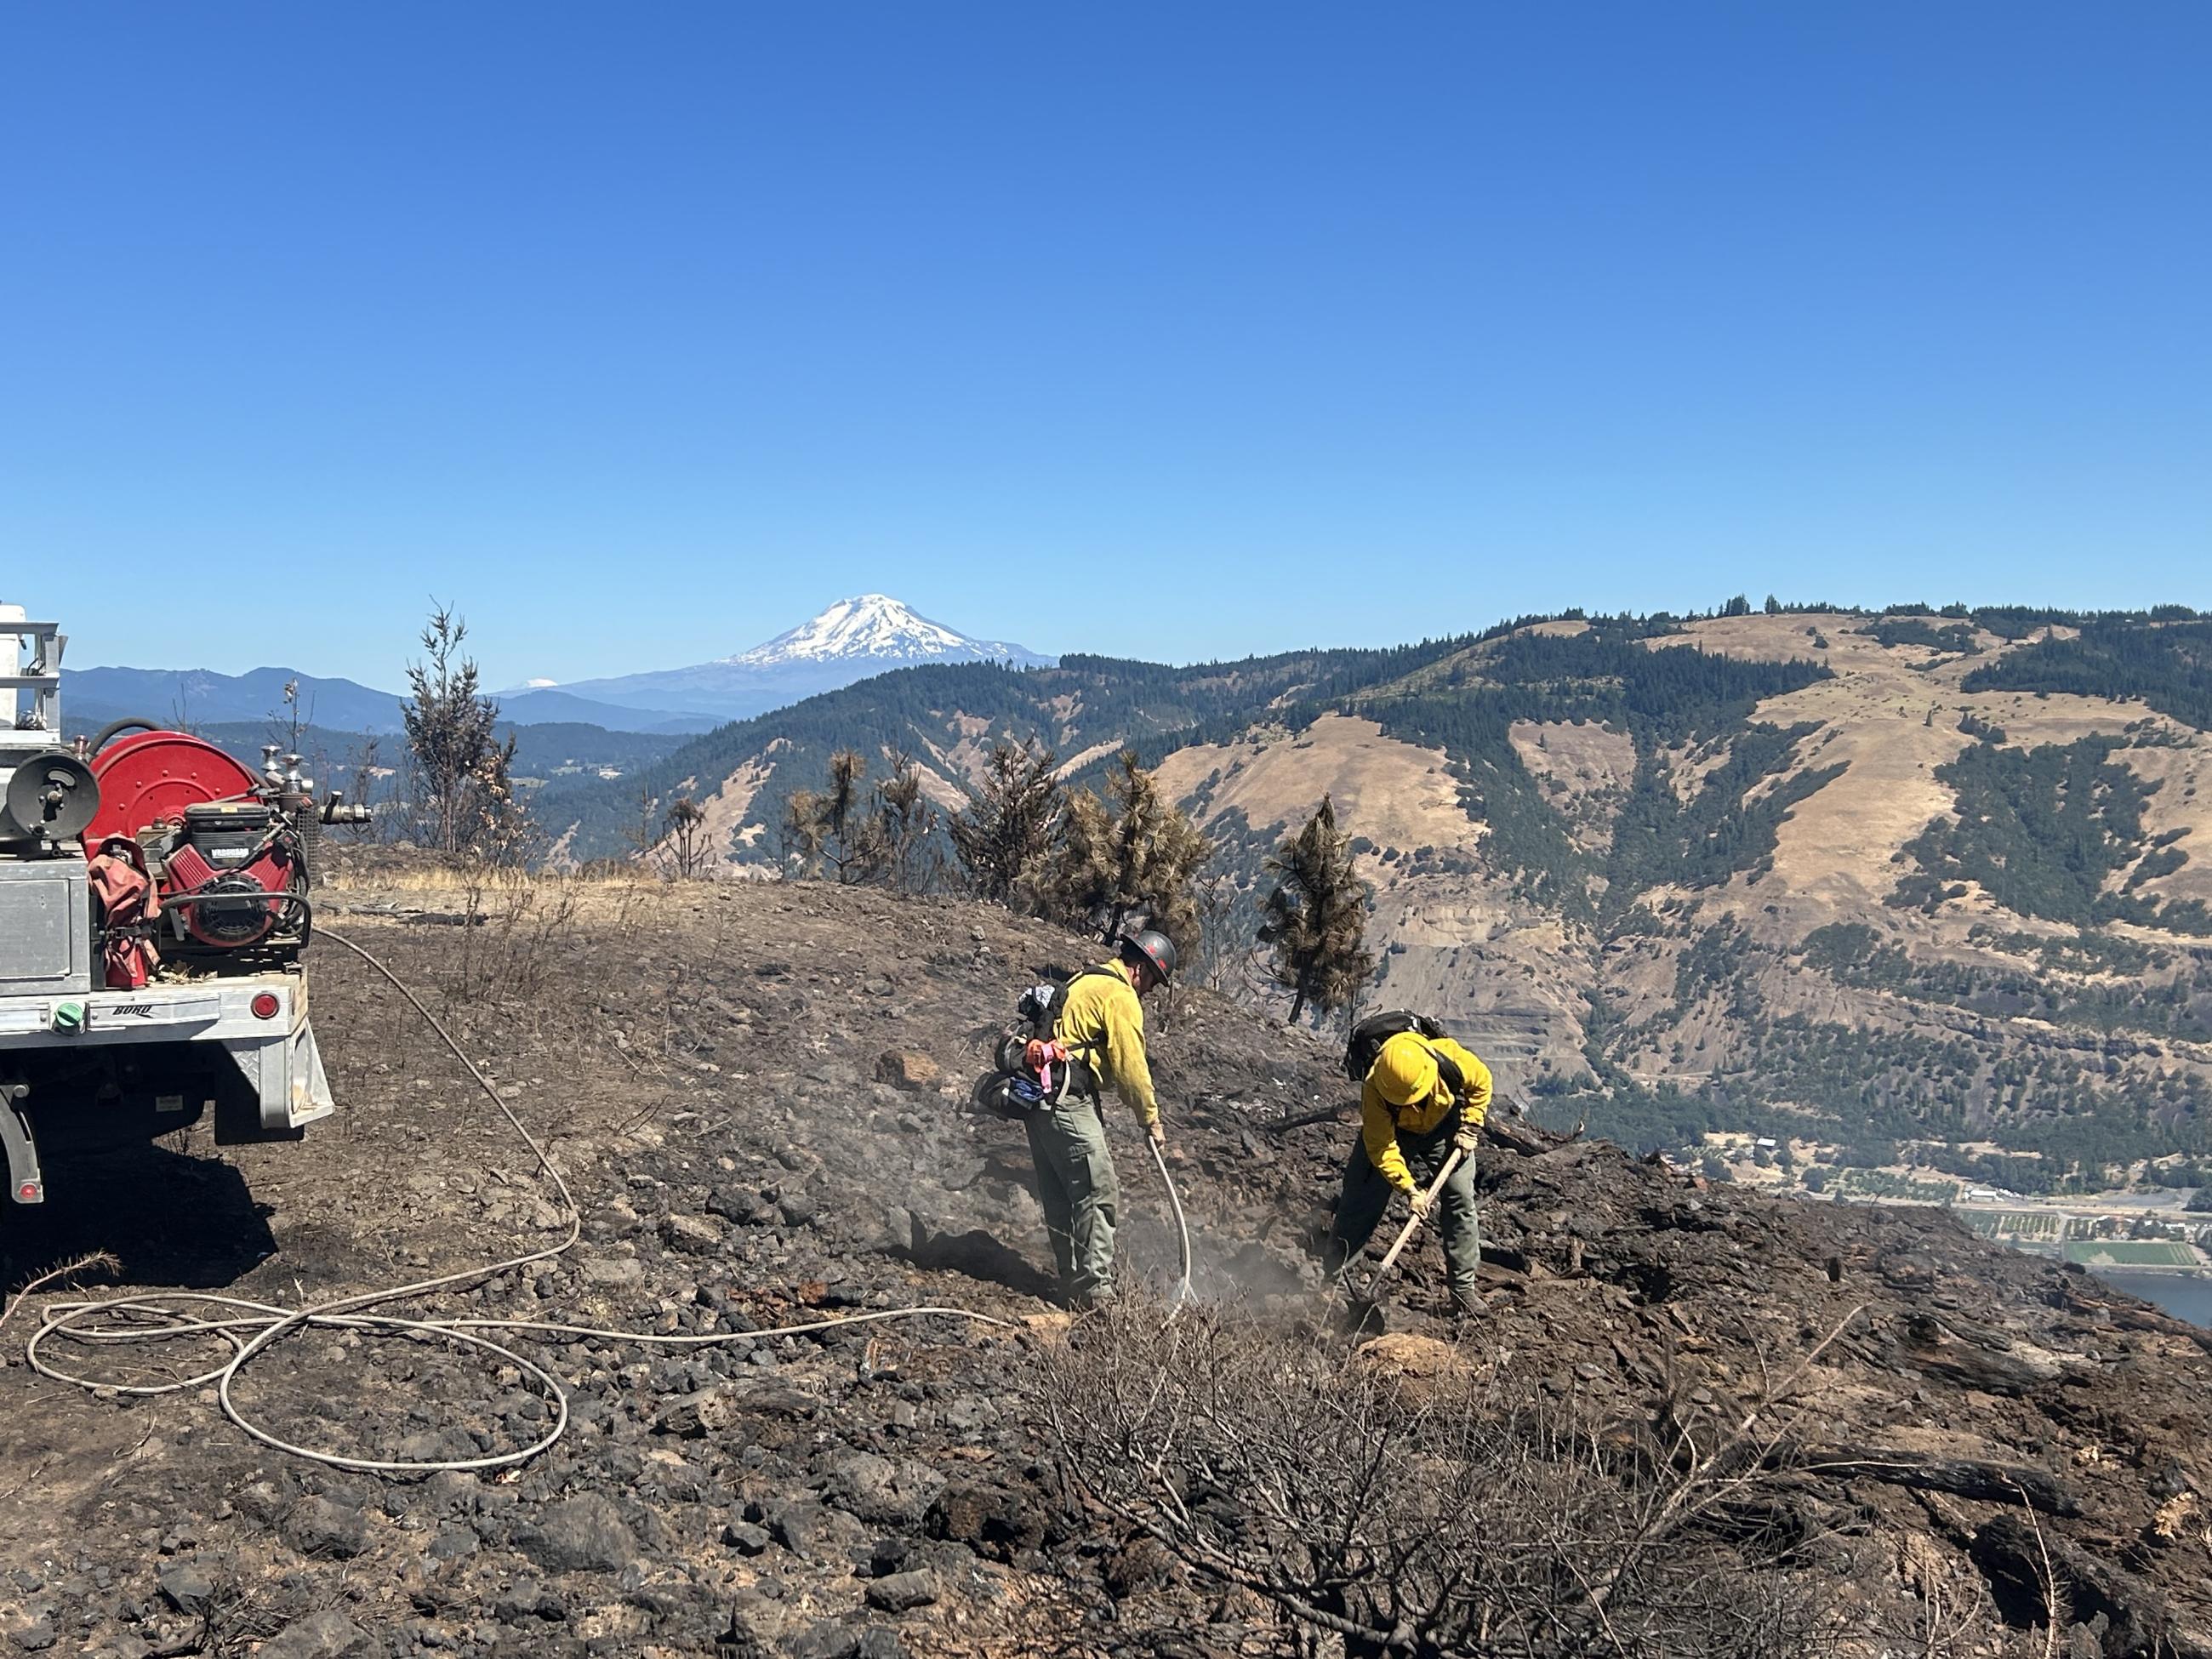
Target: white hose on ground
[
  {"x": 251, "y": 1327},
  {"x": 1182, "y": 1227}
]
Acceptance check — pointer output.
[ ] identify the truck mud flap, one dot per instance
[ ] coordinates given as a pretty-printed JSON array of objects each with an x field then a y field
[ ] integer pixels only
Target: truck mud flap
[
  {"x": 27, "y": 1182},
  {"x": 285, "y": 1075}
]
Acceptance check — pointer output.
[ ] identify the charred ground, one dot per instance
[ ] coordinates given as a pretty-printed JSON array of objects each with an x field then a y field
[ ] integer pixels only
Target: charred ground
[{"x": 756, "y": 1092}]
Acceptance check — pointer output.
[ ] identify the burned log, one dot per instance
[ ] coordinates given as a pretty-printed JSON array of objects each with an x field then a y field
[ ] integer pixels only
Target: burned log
[
  {"x": 1980, "y": 1358},
  {"x": 1961, "y": 1477}
]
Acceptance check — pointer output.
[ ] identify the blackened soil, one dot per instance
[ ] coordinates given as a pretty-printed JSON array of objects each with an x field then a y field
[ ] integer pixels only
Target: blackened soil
[{"x": 756, "y": 1093}]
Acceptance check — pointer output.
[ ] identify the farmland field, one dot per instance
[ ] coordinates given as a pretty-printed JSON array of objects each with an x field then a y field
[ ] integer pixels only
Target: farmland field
[{"x": 2130, "y": 1253}]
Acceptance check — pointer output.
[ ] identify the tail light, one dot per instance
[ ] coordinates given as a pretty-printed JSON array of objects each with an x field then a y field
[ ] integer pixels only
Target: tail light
[{"x": 265, "y": 1005}]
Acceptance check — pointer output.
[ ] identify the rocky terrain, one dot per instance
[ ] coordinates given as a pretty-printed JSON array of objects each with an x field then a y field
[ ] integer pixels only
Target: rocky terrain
[{"x": 755, "y": 1091}]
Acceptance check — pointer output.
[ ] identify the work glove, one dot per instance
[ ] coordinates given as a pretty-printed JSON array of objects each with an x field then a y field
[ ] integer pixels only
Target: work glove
[
  {"x": 1422, "y": 1204},
  {"x": 1158, "y": 1132},
  {"x": 1469, "y": 1135}
]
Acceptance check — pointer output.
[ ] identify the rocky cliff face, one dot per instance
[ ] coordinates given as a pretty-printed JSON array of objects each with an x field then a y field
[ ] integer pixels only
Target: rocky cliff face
[{"x": 756, "y": 1093}]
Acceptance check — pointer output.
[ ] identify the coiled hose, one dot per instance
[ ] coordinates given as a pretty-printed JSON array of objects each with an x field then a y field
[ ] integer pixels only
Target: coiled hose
[{"x": 251, "y": 1327}]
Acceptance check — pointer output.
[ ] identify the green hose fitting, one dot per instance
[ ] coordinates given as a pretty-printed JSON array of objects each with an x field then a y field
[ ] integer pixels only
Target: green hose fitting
[{"x": 68, "y": 1016}]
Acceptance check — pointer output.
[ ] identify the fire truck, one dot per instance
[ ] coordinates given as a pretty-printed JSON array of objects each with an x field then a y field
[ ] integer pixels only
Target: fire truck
[{"x": 155, "y": 900}]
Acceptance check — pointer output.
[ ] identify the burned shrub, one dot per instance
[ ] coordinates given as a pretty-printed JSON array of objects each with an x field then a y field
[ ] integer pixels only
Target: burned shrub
[{"x": 1427, "y": 1504}]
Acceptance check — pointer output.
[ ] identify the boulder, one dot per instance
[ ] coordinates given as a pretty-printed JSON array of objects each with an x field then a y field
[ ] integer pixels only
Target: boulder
[
  {"x": 990, "y": 1520},
  {"x": 882, "y": 1491},
  {"x": 325, "y": 1635},
  {"x": 185, "y": 1587},
  {"x": 584, "y": 1534},
  {"x": 901, "y": 1592},
  {"x": 695, "y": 1416},
  {"x": 905, "y": 1070},
  {"x": 692, "y": 1235},
  {"x": 317, "y": 1526}
]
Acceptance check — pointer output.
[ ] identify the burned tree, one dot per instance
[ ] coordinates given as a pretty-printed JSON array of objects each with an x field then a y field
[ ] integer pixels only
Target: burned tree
[
  {"x": 1315, "y": 918},
  {"x": 1380, "y": 1504},
  {"x": 1134, "y": 854},
  {"x": 1004, "y": 836},
  {"x": 830, "y": 829},
  {"x": 859, "y": 835},
  {"x": 903, "y": 826},
  {"x": 683, "y": 834}
]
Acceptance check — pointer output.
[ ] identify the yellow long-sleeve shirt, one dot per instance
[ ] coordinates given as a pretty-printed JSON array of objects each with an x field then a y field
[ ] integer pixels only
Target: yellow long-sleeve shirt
[
  {"x": 1104, "y": 1020},
  {"x": 1380, "y": 1122}
]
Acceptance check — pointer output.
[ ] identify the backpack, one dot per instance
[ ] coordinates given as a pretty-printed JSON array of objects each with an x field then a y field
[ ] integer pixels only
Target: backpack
[
  {"x": 1372, "y": 1033},
  {"x": 1012, "y": 1089}
]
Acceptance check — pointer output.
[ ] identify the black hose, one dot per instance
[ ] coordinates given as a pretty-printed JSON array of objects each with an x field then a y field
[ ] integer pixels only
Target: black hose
[{"x": 114, "y": 727}]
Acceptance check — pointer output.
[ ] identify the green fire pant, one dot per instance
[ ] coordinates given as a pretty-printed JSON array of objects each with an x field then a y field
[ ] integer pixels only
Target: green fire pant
[
  {"x": 1082, "y": 1197},
  {"x": 1366, "y": 1195}
]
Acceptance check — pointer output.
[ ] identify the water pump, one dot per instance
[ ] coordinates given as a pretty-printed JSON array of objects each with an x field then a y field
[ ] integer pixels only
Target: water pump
[{"x": 231, "y": 855}]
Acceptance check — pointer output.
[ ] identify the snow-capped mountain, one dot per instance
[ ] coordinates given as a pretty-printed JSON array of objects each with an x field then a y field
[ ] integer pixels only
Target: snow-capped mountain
[
  {"x": 855, "y": 638},
  {"x": 879, "y": 629}
]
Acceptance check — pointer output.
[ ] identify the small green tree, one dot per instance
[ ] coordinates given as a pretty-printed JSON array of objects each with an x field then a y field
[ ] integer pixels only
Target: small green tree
[
  {"x": 462, "y": 792},
  {"x": 1132, "y": 855},
  {"x": 1315, "y": 918},
  {"x": 1004, "y": 836}
]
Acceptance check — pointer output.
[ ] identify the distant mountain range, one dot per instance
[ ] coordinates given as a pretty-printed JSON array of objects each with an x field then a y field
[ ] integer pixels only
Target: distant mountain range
[
  {"x": 852, "y": 640},
  {"x": 199, "y": 696},
  {"x": 870, "y": 634}
]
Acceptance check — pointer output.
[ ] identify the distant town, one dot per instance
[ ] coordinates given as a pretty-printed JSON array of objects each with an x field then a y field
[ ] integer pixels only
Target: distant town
[{"x": 2143, "y": 1227}]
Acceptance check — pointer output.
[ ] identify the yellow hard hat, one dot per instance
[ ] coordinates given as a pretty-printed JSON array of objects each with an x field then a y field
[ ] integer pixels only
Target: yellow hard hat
[{"x": 1404, "y": 1072}]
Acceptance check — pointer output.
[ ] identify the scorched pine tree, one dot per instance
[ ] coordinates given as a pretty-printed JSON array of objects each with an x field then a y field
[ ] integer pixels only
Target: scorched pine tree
[
  {"x": 1315, "y": 918},
  {"x": 1133, "y": 854}
]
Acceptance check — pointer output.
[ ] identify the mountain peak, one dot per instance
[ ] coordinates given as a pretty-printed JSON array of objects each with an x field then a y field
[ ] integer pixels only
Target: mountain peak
[{"x": 873, "y": 627}]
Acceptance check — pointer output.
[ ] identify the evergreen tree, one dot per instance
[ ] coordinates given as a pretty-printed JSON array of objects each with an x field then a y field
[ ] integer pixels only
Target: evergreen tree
[
  {"x": 832, "y": 827},
  {"x": 904, "y": 825},
  {"x": 464, "y": 796},
  {"x": 1317, "y": 917},
  {"x": 1005, "y": 833},
  {"x": 1133, "y": 855}
]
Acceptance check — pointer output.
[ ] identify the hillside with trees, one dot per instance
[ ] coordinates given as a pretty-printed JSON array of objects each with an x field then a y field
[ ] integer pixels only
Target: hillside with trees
[{"x": 1918, "y": 884}]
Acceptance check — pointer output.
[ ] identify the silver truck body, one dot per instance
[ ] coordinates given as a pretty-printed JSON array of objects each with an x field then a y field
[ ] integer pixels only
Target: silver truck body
[{"x": 72, "y": 1051}]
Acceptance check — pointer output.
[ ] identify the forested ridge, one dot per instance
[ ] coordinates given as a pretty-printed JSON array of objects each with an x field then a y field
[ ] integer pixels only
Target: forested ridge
[{"x": 2025, "y": 959}]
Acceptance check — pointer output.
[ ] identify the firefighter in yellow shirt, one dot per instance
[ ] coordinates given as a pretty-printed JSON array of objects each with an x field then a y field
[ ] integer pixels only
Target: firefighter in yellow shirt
[
  {"x": 1101, "y": 1024},
  {"x": 1423, "y": 1097}
]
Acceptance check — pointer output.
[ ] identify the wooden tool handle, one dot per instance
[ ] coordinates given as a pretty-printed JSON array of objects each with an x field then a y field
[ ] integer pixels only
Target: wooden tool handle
[{"x": 1436, "y": 1187}]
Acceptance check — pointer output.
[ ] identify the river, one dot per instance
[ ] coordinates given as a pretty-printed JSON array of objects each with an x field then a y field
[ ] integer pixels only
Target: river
[{"x": 2186, "y": 1295}]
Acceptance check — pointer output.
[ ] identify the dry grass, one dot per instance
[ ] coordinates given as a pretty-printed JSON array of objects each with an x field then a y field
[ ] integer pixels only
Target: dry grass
[{"x": 1392, "y": 793}]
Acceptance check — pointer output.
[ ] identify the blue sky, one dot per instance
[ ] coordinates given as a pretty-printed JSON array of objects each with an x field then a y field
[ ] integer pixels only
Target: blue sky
[{"x": 639, "y": 333}]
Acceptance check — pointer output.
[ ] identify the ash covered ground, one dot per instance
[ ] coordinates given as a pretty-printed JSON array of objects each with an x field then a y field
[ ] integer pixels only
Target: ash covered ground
[{"x": 756, "y": 1094}]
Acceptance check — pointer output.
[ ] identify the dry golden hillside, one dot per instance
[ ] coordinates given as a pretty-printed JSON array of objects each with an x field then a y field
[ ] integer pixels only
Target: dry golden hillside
[{"x": 1909, "y": 875}]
